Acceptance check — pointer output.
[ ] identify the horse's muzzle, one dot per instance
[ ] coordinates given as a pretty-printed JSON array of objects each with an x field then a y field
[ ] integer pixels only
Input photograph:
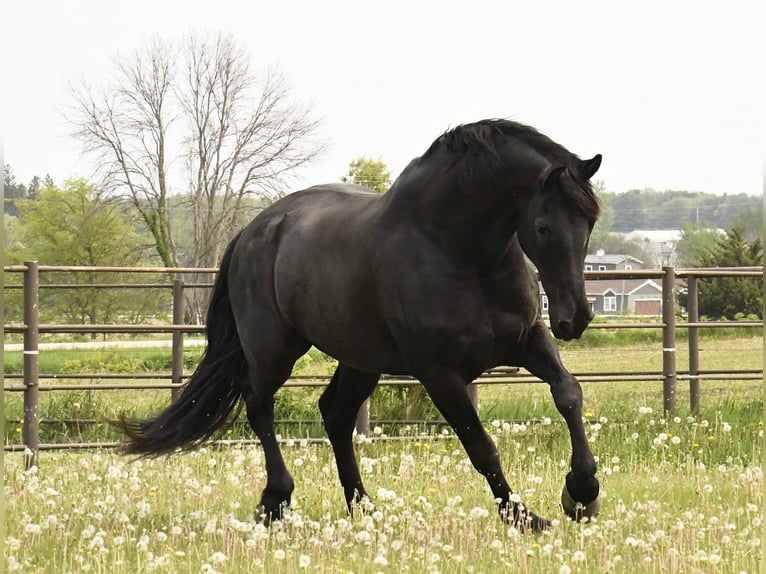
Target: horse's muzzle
[{"x": 567, "y": 330}]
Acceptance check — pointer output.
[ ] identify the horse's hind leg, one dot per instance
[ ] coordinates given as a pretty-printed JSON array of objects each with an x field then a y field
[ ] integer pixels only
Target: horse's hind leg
[
  {"x": 580, "y": 496},
  {"x": 268, "y": 370},
  {"x": 340, "y": 405}
]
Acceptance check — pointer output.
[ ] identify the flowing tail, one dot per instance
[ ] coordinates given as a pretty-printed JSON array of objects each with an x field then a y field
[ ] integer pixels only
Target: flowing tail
[{"x": 212, "y": 393}]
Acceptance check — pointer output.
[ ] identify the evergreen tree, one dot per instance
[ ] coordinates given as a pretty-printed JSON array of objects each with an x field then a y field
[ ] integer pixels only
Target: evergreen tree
[{"x": 731, "y": 296}]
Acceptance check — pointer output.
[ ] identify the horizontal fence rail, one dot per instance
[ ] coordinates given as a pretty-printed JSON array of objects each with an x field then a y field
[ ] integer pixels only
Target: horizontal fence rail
[{"x": 33, "y": 381}]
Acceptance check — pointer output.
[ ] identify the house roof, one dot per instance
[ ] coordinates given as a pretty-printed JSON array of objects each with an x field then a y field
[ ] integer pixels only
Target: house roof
[
  {"x": 610, "y": 259},
  {"x": 594, "y": 288},
  {"x": 619, "y": 286}
]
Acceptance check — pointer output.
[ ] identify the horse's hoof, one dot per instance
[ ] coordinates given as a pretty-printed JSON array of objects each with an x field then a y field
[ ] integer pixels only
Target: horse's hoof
[
  {"x": 577, "y": 510},
  {"x": 268, "y": 516},
  {"x": 536, "y": 523},
  {"x": 524, "y": 520}
]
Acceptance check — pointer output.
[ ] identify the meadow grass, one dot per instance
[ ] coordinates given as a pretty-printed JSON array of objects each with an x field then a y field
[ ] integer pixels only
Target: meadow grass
[
  {"x": 680, "y": 495},
  {"x": 683, "y": 494}
]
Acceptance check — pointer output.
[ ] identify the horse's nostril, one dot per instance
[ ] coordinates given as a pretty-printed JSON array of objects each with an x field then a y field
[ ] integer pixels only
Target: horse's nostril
[{"x": 565, "y": 326}]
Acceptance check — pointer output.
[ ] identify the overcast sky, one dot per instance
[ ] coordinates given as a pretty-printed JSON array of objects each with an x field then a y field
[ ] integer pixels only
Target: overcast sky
[{"x": 671, "y": 93}]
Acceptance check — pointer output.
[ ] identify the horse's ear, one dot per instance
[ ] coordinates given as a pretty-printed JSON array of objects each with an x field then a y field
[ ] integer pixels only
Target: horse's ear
[
  {"x": 588, "y": 167},
  {"x": 551, "y": 176}
]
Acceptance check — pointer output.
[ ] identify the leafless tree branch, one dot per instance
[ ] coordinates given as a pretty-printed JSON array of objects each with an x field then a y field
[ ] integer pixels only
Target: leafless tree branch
[{"x": 237, "y": 134}]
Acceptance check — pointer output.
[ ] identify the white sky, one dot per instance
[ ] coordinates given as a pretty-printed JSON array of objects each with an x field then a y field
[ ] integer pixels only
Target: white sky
[{"x": 672, "y": 93}]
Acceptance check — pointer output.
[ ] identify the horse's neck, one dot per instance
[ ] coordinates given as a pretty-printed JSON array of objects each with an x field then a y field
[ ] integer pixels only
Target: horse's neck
[{"x": 472, "y": 223}]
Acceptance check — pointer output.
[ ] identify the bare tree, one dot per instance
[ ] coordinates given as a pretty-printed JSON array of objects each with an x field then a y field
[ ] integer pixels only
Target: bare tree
[
  {"x": 126, "y": 127},
  {"x": 194, "y": 120}
]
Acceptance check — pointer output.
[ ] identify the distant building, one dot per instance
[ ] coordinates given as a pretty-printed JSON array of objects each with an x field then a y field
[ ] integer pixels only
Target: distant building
[
  {"x": 668, "y": 236},
  {"x": 659, "y": 243},
  {"x": 602, "y": 262},
  {"x": 618, "y": 296},
  {"x": 631, "y": 296}
]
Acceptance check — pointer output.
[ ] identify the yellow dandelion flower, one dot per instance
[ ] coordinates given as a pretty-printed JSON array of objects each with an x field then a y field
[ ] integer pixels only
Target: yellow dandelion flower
[{"x": 711, "y": 438}]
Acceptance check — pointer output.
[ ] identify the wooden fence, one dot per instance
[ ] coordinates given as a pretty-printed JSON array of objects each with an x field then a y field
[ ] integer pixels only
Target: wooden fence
[{"x": 32, "y": 329}]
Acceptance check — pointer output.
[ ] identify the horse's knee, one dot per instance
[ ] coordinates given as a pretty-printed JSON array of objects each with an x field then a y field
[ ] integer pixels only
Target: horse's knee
[{"x": 567, "y": 396}]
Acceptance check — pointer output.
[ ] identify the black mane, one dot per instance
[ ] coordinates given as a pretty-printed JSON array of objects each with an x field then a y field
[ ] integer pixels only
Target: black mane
[{"x": 488, "y": 136}]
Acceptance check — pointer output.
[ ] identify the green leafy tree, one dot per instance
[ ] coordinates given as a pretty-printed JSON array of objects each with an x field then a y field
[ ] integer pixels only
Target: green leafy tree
[
  {"x": 731, "y": 296},
  {"x": 370, "y": 173},
  {"x": 76, "y": 225}
]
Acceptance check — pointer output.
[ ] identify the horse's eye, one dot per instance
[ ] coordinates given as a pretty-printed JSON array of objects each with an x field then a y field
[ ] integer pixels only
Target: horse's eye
[{"x": 542, "y": 230}]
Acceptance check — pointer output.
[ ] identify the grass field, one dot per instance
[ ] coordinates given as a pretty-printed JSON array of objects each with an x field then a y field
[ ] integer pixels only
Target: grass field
[{"x": 680, "y": 495}]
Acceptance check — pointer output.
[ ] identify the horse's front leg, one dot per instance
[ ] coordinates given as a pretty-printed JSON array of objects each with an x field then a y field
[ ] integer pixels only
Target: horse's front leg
[
  {"x": 449, "y": 393},
  {"x": 580, "y": 496}
]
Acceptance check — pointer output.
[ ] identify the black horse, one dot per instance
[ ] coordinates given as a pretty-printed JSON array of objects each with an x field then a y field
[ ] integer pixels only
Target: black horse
[{"x": 429, "y": 280}]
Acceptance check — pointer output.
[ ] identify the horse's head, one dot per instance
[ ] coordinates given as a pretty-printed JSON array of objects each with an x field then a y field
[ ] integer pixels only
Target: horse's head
[{"x": 554, "y": 235}]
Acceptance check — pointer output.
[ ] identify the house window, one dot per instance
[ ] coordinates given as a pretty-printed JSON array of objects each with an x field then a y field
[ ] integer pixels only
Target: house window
[
  {"x": 589, "y": 267},
  {"x": 628, "y": 267},
  {"x": 602, "y": 267},
  {"x": 544, "y": 302},
  {"x": 610, "y": 303}
]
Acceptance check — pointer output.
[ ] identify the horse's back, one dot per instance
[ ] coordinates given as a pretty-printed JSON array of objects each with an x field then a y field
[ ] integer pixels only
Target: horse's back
[{"x": 309, "y": 262}]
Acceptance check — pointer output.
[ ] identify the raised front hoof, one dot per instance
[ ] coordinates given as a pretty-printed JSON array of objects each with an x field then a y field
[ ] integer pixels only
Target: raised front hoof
[{"x": 576, "y": 510}]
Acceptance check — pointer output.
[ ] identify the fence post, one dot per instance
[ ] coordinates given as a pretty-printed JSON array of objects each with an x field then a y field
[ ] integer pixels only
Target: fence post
[
  {"x": 30, "y": 429},
  {"x": 692, "y": 309},
  {"x": 363, "y": 419},
  {"x": 177, "y": 365},
  {"x": 669, "y": 341}
]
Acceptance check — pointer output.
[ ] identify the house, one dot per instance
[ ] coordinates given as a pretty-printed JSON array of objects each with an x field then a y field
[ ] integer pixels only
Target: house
[
  {"x": 631, "y": 296},
  {"x": 618, "y": 296},
  {"x": 603, "y": 262}
]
